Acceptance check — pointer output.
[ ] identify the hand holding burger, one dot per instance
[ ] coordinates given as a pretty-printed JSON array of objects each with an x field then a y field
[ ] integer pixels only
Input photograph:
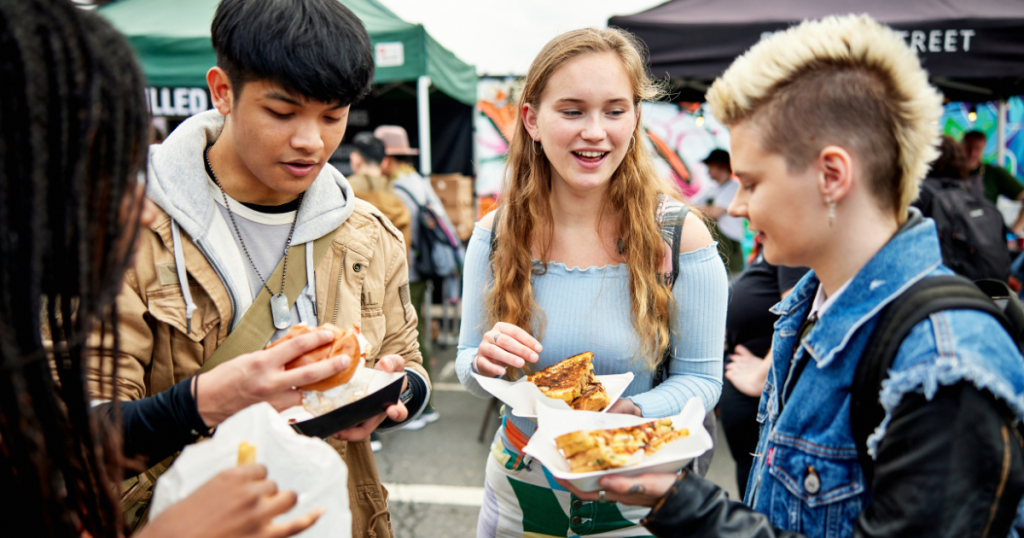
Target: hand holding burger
[
  {"x": 262, "y": 376},
  {"x": 348, "y": 385}
]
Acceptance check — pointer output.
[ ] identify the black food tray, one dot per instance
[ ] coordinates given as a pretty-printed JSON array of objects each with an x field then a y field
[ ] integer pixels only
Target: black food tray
[{"x": 352, "y": 414}]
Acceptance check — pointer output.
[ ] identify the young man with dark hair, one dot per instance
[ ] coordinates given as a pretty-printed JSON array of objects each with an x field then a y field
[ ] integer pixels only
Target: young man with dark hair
[
  {"x": 991, "y": 179},
  {"x": 714, "y": 202},
  {"x": 370, "y": 184},
  {"x": 256, "y": 232}
]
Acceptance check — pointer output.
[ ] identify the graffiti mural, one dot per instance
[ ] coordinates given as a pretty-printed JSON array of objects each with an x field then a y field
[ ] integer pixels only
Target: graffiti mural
[
  {"x": 494, "y": 123},
  {"x": 678, "y": 135}
]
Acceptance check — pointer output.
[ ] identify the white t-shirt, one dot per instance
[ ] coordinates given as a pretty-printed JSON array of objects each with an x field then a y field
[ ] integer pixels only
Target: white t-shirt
[{"x": 721, "y": 196}]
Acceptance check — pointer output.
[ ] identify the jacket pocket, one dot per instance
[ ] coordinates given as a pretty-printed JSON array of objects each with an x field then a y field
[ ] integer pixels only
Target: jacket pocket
[
  {"x": 373, "y": 326},
  {"x": 823, "y": 486},
  {"x": 167, "y": 305}
]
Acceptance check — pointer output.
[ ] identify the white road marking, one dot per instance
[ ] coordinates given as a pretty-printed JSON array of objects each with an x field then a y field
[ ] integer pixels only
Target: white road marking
[
  {"x": 448, "y": 372},
  {"x": 448, "y": 387},
  {"x": 431, "y": 494}
]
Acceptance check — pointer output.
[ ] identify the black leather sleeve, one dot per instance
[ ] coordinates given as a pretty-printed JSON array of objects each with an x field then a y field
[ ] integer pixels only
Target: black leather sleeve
[
  {"x": 951, "y": 466},
  {"x": 697, "y": 508},
  {"x": 156, "y": 427}
]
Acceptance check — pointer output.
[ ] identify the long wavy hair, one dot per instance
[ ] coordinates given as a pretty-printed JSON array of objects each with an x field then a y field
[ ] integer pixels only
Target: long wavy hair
[
  {"x": 73, "y": 126},
  {"x": 526, "y": 221}
]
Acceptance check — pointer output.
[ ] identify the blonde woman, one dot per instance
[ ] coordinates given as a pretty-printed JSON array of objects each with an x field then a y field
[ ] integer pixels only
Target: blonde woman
[
  {"x": 833, "y": 124},
  {"x": 578, "y": 266}
]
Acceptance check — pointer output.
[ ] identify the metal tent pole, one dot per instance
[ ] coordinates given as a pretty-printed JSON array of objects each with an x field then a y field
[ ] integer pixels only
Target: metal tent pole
[
  {"x": 423, "y": 113},
  {"x": 1001, "y": 133}
]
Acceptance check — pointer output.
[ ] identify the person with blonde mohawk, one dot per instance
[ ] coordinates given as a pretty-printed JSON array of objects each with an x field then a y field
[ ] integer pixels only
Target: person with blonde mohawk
[{"x": 833, "y": 126}]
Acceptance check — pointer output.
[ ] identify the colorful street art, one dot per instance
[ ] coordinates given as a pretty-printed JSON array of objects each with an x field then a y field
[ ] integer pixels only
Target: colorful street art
[
  {"x": 956, "y": 121},
  {"x": 494, "y": 121},
  {"x": 679, "y": 135}
]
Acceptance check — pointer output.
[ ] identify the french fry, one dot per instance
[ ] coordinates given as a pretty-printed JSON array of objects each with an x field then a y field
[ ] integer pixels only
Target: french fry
[{"x": 246, "y": 453}]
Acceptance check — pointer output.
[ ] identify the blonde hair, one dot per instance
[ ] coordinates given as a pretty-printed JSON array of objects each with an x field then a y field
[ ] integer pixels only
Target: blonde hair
[
  {"x": 848, "y": 81},
  {"x": 526, "y": 219}
]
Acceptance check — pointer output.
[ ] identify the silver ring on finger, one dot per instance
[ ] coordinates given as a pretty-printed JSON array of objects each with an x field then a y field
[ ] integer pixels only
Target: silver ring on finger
[{"x": 601, "y": 497}]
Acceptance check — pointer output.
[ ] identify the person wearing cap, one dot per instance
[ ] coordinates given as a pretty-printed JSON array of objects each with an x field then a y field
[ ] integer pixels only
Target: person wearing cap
[
  {"x": 714, "y": 202},
  {"x": 414, "y": 190},
  {"x": 368, "y": 182}
]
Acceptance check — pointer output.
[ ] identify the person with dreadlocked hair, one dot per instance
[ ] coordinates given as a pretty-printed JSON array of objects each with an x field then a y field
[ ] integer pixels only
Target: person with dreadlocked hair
[
  {"x": 255, "y": 231},
  {"x": 73, "y": 127}
]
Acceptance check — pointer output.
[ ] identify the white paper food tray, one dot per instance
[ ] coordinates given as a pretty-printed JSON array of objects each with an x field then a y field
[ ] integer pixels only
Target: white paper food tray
[
  {"x": 553, "y": 422},
  {"x": 522, "y": 396}
]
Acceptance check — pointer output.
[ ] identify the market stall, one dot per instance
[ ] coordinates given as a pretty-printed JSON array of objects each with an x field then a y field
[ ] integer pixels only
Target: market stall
[
  {"x": 172, "y": 42},
  {"x": 973, "y": 51}
]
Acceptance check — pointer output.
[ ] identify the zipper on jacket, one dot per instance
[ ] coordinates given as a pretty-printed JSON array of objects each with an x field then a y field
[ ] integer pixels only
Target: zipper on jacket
[
  {"x": 337, "y": 292},
  {"x": 223, "y": 280}
]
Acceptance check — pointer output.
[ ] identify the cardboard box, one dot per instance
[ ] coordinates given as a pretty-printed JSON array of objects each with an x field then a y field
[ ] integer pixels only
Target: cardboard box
[
  {"x": 463, "y": 220},
  {"x": 454, "y": 190}
]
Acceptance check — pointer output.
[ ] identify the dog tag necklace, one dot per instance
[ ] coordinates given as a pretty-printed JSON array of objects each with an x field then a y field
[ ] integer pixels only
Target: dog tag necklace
[{"x": 279, "y": 310}]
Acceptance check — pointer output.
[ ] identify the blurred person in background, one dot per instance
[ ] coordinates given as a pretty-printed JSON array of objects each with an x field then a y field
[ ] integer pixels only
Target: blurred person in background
[
  {"x": 714, "y": 202},
  {"x": 415, "y": 191},
  {"x": 749, "y": 326},
  {"x": 369, "y": 182},
  {"x": 944, "y": 459},
  {"x": 972, "y": 232},
  {"x": 74, "y": 130},
  {"x": 244, "y": 193},
  {"x": 991, "y": 180},
  {"x": 588, "y": 251}
]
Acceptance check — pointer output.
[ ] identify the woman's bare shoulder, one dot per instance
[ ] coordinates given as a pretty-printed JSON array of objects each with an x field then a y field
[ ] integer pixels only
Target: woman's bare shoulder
[
  {"x": 487, "y": 222},
  {"x": 695, "y": 234}
]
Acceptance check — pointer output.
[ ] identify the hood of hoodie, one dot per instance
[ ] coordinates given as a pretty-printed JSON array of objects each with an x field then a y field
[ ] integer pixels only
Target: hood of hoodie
[{"x": 178, "y": 184}]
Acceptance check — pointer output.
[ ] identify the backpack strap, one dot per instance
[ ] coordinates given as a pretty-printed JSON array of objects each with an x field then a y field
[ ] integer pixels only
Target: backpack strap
[
  {"x": 256, "y": 327},
  {"x": 917, "y": 303},
  {"x": 670, "y": 219},
  {"x": 494, "y": 235}
]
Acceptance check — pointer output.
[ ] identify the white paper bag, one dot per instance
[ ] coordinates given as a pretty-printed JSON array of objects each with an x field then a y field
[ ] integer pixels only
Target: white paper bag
[
  {"x": 553, "y": 422},
  {"x": 305, "y": 465},
  {"x": 522, "y": 396}
]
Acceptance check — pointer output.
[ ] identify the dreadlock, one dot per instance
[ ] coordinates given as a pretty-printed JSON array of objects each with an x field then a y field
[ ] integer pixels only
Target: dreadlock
[{"x": 73, "y": 123}]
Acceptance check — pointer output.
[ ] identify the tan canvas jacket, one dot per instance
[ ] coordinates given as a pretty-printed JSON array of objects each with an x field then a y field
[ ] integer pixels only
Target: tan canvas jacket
[{"x": 361, "y": 281}]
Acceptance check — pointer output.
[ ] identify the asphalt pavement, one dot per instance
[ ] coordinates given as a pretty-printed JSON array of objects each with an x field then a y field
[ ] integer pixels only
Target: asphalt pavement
[{"x": 435, "y": 475}]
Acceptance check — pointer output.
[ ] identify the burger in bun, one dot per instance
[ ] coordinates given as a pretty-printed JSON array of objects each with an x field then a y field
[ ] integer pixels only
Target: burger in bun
[{"x": 342, "y": 388}]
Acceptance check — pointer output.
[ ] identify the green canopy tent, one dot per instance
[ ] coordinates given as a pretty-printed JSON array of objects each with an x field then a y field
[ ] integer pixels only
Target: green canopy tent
[{"x": 172, "y": 42}]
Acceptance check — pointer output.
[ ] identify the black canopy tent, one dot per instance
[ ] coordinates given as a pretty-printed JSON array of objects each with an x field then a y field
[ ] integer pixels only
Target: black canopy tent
[{"x": 974, "y": 51}]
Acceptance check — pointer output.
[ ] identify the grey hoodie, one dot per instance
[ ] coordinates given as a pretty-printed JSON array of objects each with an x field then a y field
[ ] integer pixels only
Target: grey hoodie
[{"x": 179, "y": 184}]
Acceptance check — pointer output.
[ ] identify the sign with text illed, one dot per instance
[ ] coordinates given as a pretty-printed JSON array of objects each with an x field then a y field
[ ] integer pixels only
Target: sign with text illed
[{"x": 177, "y": 101}]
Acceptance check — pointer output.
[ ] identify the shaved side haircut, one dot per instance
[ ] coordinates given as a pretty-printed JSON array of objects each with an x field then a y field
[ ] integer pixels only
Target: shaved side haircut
[{"x": 845, "y": 81}]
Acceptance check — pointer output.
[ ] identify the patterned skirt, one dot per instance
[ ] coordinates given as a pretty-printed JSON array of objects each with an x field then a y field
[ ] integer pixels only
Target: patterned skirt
[{"x": 522, "y": 500}]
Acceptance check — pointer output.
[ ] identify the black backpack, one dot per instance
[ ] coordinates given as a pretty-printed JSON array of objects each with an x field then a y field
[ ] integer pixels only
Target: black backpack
[
  {"x": 971, "y": 230},
  {"x": 435, "y": 253},
  {"x": 929, "y": 295}
]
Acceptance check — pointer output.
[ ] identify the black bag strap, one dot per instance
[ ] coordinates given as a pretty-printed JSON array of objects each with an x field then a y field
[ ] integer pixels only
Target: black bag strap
[
  {"x": 917, "y": 303},
  {"x": 411, "y": 197},
  {"x": 671, "y": 231},
  {"x": 494, "y": 235}
]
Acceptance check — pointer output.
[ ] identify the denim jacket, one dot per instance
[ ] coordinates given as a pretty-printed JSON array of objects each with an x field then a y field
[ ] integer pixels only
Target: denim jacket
[{"x": 806, "y": 475}]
